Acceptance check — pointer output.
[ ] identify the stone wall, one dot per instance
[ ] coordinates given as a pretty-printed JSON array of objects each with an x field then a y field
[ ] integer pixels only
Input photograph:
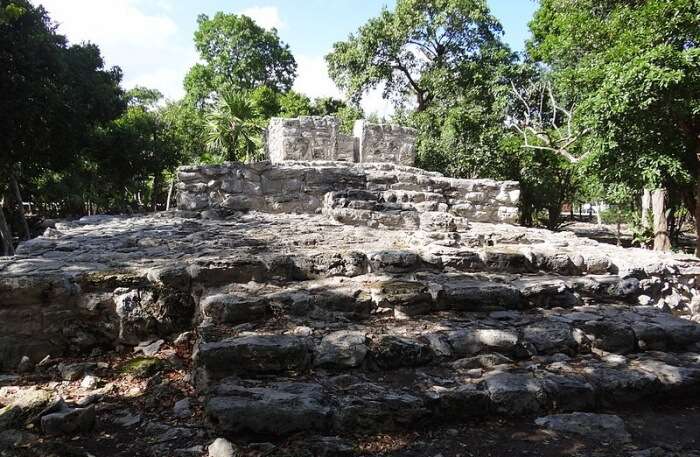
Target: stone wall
[
  {"x": 300, "y": 187},
  {"x": 385, "y": 143},
  {"x": 319, "y": 138},
  {"x": 308, "y": 138}
]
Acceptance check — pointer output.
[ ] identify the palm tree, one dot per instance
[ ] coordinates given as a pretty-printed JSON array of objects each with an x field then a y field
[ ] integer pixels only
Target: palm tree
[{"x": 233, "y": 130}]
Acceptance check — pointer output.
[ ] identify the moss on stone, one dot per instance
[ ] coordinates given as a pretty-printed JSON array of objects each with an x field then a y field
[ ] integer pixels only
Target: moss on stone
[{"x": 143, "y": 367}]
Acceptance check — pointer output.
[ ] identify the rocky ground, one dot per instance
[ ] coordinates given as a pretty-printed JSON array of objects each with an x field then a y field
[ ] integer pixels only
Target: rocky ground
[
  {"x": 156, "y": 413},
  {"x": 296, "y": 335}
]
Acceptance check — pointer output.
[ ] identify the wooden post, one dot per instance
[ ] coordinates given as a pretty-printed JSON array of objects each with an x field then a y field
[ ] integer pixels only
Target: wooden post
[{"x": 662, "y": 242}]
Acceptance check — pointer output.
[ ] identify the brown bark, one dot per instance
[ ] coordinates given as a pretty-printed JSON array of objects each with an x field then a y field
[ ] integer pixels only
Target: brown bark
[
  {"x": 697, "y": 216},
  {"x": 5, "y": 234},
  {"x": 18, "y": 198},
  {"x": 662, "y": 241},
  {"x": 156, "y": 192}
]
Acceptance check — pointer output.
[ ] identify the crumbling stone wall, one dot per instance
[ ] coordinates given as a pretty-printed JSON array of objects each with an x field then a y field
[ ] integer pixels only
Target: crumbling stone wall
[
  {"x": 300, "y": 187},
  {"x": 308, "y": 138},
  {"x": 385, "y": 143},
  {"x": 319, "y": 138}
]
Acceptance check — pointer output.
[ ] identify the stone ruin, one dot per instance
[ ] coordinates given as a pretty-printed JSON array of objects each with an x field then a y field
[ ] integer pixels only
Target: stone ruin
[
  {"x": 367, "y": 180},
  {"x": 337, "y": 298},
  {"x": 310, "y": 138}
]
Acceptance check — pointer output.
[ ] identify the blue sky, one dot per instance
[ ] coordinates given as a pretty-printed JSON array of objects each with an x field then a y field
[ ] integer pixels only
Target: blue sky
[{"x": 151, "y": 40}]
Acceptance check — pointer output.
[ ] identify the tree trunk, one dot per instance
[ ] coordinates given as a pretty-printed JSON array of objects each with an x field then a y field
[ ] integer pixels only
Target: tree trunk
[
  {"x": 18, "y": 198},
  {"x": 599, "y": 218},
  {"x": 5, "y": 234},
  {"x": 156, "y": 191},
  {"x": 646, "y": 206},
  {"x": 170, "y": 194},
  {"x": 662, "y": 242},
  {"x": 697, "y": 216}
]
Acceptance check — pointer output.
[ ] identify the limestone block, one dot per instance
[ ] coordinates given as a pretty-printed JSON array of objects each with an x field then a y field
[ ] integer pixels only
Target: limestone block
[
  {"x": 385, "y": 143},
  {"x": 306, "y": 138}
]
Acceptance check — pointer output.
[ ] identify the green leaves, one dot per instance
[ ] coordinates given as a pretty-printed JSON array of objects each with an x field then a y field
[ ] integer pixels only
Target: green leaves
[
  {"x": 238, "y": 53},
  {"x": 232, "y": 129},
  {"x": 420, "y": 49}
]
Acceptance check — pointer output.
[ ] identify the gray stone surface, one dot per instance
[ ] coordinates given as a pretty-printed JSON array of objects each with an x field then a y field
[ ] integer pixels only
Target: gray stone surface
[
  {"x": 68, "y": 421},
  {"x": 308, "y": 138},
  {"x": 23, "y": 407},
  {"x": 606, "y": 428},
  {"x": 277, "y": 409},
  {"x": 397, "y": 193},
  {"x": 255, "y": 354},
  {"x": 385, "y": 143},
  {"x": 344, "y": 349}
]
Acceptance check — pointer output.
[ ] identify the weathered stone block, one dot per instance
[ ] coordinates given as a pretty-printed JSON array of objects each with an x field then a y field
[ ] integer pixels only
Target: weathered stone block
[
  {"x": 385, "y": 143},
  {"x": 306, "y": 138}
]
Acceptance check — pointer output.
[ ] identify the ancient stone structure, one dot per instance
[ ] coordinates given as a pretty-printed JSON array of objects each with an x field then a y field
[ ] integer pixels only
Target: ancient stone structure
[
  {"x": 385, "y": 143},
  {"x": 328, "y": 299},
  {"x": 344, "y": 190},
  {"x": 310, "y": 138}
]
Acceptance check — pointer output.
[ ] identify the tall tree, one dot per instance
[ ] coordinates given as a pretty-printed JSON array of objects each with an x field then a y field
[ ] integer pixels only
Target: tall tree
[
  {"x": 52, "y": 95},
  {"x": 635, "y": 67},
  {"x": 423, "y": 49},
  {"x": 443, "y": 61},
  {"x": 238, "y": 53}
]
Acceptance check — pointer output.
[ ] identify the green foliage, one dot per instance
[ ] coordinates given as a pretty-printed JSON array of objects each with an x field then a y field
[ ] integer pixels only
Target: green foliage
[
  {"x": 423, "y": 48},
  {"x": 54, "y": 98},
  {"x": 635, "y": 69},
  {"x": 294, "y": 104},
  {"x": 347, "y": 115},
  {"x": 143, "y": 97},
  {"x": 237, "y": 53},
  {"x": 233, "y": 130},
  {"x": 446, "y": 59},
  {"x": 265, "y": 101}
]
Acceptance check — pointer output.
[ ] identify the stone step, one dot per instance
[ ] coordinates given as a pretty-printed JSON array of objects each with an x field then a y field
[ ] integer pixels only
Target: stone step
[
  {"x": 409, "y": 294},
  {"x": 461, "y": 339},
  {"x": 368, "y": 403}
]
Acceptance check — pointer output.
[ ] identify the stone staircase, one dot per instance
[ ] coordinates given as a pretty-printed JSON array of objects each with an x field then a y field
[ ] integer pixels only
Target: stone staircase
[{"x": 400, "y": 340}]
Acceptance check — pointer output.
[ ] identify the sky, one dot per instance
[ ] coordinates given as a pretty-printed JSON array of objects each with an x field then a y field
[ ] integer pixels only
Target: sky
[{"x": 152, "y": 40}]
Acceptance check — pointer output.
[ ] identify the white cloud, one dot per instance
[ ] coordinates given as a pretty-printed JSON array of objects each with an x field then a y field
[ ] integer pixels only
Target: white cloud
[
  {"x": 266, "y": 16},
  {"x": 111, "y": 23},
  {"x": 312, "y": 78},
  {"x": 373, "y": 103},
  {"x": 150, "y": 50},
  {"x": 313, "y": 81},
  {"x": 143, "y": 44}
]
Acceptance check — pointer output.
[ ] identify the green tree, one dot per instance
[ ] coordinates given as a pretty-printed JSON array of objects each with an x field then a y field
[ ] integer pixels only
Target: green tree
[
  {"x": 423, "y": 49},
  {"x": 634, "y": 67},
  {"x": 238, "y": 53},
  {"x": 443, "y": 62},
  {"x": 144, "y": 97},
  {"x": 233, "y": 130},
  {"x": 265, "y": 101},
  {"x": 187, "y": 125},
  {"x": 294, "y": 104},
  {"x": 53, "y": 96}
]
